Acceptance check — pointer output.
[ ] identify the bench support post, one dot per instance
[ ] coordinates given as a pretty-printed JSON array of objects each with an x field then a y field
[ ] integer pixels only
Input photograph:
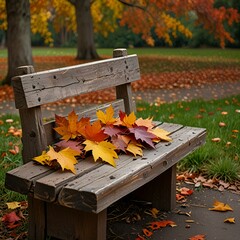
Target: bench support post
[{"x": 161, "y": 191}]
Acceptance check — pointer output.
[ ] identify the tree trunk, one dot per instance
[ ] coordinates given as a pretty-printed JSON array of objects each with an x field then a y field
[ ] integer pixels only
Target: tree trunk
[
  {"x": 85, "y": 43},
  {"x": 18, "y": 36}
]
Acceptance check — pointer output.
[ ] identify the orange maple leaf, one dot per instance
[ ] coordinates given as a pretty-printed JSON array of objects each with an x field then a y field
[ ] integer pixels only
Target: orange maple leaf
[
  {"x": 197, "y": 237},
  {"x": 127, "y": 120},
  {"x": 161, "y": 224},
  {"x": 67, "y": 127},
  {"x": 95, "y": 132},
  {"x": 186, "y": 191},
  {"x": 107, "y": 118},
  {"x": 145, "y": 122},
  {"x": 147, "y": 233},
  {"x": 221, "y": 207}
]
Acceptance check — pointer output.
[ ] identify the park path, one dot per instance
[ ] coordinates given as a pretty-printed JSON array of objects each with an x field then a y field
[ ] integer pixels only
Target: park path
[{"x": 206, "y": 92}]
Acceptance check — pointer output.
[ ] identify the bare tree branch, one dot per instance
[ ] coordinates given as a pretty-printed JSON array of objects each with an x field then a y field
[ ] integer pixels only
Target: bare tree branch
[{"x": 132, "y": 5}]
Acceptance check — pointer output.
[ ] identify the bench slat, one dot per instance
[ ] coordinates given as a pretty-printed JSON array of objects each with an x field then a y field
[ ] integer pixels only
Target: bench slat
[
  {"x": 102, "y": 192},
  {"x": 49, "y": 86},
  {"x": 49, "y": 186}
]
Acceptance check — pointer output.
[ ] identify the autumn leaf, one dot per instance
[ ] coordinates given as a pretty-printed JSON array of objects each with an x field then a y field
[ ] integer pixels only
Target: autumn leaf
[
  {"x": 119, "y": 143},
  {"x": 11, "y": 219},
  {"x": 141, "y": 133},
  {"x": 197, "y": 237},
  {"x": 65, "y": 158},
  {"x": 229, "y": 220},
  {"x": 67, "y": 128},
  {"x": 74, "y": 145},
  {"x": 221, "y": 207},
  {"x": 145, "y": 122},
  {"x": 161, "y": 224},
  {"x": 108, "y": 117},
  {"x": 13, "y": 205},
  {"x": 135, "y": 149},
  {"x": 95, "y": 132},
  {"x": 186, "y": 191},
  {"x": 147, "y": 233},
  {"x": 127, "y": 120},
  {"x": 161, "y": 134},
  {"x": 103, "y": 150}
]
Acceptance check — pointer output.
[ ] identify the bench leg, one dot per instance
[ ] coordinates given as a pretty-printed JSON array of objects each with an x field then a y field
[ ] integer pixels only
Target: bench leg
[
  {"x": 71, "y": 224},
  {"x": 58, "y": 222},
  {"x": 161, "y": 191},
  {"x": 37, "y": 219}
]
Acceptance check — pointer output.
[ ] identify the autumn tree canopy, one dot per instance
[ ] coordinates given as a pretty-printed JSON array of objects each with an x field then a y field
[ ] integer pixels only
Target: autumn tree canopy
[{"x": 144, "y": 17}]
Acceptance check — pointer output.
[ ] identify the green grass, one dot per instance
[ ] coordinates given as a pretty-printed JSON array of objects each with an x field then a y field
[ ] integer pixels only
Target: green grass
[
  {"x": 8, "y": 160},
  {"x": 164, "y": 52},
  {"x": 216, "y": 159}
]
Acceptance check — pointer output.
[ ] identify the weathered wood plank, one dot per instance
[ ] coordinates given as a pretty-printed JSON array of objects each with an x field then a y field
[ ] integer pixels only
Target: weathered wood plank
[
  {"x": 49, "y": 186},
  {"x": 110, "y": 187},
  {"x": 53, "y": 85}
]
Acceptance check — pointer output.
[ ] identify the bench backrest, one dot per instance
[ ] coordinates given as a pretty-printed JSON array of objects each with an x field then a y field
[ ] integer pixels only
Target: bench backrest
[{"x": 32, "y": 90}]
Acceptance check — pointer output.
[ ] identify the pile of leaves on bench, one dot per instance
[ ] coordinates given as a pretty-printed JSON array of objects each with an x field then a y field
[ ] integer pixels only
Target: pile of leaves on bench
[{"x": 105, "y": 138}]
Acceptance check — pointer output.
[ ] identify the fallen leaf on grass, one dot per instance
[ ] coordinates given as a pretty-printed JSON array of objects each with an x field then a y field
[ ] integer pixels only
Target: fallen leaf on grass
[
  {"x": 229, "y": 220},
  {"x": 216, "y": 139},
  {"x": 197, "y": 237},
  {"x": 222, "y": 124},
  {"x": 13, "y": 205},
  {"x": 11, "y": 220},
  {"x": 221, "y": 207}
]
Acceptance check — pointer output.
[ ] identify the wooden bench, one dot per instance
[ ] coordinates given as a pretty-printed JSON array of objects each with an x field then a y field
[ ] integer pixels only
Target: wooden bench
[{"x": 67, "y": 206}]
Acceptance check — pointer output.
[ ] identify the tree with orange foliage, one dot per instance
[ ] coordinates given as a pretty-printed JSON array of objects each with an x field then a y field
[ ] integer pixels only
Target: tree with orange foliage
[{"x": 142, "y": 16}]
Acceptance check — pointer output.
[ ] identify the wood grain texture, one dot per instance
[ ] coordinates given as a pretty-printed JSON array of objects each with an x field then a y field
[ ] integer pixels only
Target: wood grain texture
[{"x": 53, "y": 85}]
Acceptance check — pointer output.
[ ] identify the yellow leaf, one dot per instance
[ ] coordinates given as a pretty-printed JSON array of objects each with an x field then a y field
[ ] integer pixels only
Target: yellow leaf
[
  {"x": 145, "y": 122},
  {"x": 161, "y": 133},
  {"x": 135, "y": 149},
  {"x": 221, "y": 207},
  {"x": 13, "y": 205},
  {"x": 104, "y": 150},
  {"x": 127, "y": 120},
  {"x": 65, "y": 158},
  {"x": 108, "y": 117},
  {"x": 229, "y": 220}
]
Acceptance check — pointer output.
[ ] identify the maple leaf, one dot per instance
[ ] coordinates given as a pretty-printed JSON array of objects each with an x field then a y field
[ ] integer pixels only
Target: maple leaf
[
  {"x": 161, "y": 134},
  {"x": 81, "y": 124},
  {"x": 161, "y": 224},
  {"x": 95, "y": 132},
  {"x": 134, "y": 148},
  {"x": 65, "y": 158},
  {"x": 147, "y": 233},
  {"x": 11, "y": 220},
  {"x": 197, "y": 237},
  {"x": 112, "y": 130},
  {"x": 104, "y": 150},
  {"x": 127, "y": 120},
  {"x": 221, "y": 207},
  {"x": 67, "y": 128},
  {"x": 145, "y": 122},
  {"x": 119, "y": 143},
  {"x": 229, "y": 220},
  {"x": 186, "y": 191},
  {"x": 74, "y": 145},
  {"x": 13, "y": 205},
  {"x": 141, "y": 133},
  {"x": 108, "y": 117}
]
